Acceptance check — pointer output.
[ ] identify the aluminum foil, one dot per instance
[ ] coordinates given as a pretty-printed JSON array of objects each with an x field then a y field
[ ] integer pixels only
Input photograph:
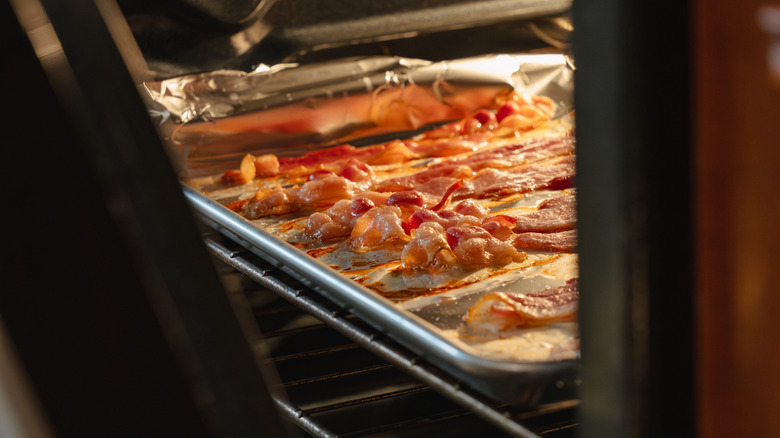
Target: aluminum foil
[{"x": 212, "y": 119}]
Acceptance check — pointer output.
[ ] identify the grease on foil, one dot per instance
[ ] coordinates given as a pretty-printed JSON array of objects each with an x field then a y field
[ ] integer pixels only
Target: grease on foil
[{"x": 217, "y": 117}]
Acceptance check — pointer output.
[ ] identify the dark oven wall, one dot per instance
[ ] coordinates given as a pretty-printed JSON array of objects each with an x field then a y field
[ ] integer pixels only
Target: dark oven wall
[{"x": 186, "y": 36}]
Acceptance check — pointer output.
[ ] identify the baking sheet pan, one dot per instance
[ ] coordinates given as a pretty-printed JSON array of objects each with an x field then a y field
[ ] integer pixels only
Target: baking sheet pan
[
  {"x": 515, "y": 383},
  {"x": 422, "y": 325}
]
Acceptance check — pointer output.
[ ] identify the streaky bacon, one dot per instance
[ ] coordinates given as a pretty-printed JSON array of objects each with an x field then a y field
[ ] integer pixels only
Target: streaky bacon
[
  {"x": 499, "y": 226},
  {"x": 474, "y": 246},
  {"x": 515, "y": 154},
  {"x": 492, "y": 182},
  {"x": 500, "y": 311},
  {"x": 339, "y": 220},
  {"x": 562, "y": 241},
  {"x": 469, "y": 208},
  {"x": 393, "y": 152},
  {"x": 457, "y": 234},
  {"x": 463, "y": 213},
  {"x": 445, "y": 199},
  {"x": 502, "y": 171},
  {"x": 314, "y": 194},
  {"x": 449, "y": 146},
  {"x": 377, "y": 228},
  {"x": 415, "y": 180},
  {"x": 357, "y": 171},
  {"x": 406, "y": 198},
  {"x": 314, "y": 159},
  {"x": 427, "y": 249},
  {"x": 553, "y": 214}
]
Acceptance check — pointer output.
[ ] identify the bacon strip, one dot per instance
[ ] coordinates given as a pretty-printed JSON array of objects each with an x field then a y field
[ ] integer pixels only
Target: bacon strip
[
  {"x": 339, "y": 220},
  {"x": 414, "y": 181},
  {"x": 563, "y": 241},
  {"x": 514, "y": 155},
  {"x": 315, "y": 159},
  {"x": 554, "y": 214},
  {"x": 377, "y": 228},
  {"x": 500, "y": 311},
  {"x": 315, "y": 194},
  {"x": 492, "y": 183},
  {"x": 496, "y": 172},
  {"x": 445, "y": 199}
]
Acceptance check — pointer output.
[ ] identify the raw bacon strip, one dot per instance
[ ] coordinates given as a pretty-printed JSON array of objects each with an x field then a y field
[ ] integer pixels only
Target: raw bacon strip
[
  {"x": 563, "y": 241},
  {"x": 554, "y": 214},
  {"x": 500, "y": 311}
]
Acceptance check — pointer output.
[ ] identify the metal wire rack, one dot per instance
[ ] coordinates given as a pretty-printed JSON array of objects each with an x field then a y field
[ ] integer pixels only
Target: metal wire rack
[{"x": 342, "y": 378}]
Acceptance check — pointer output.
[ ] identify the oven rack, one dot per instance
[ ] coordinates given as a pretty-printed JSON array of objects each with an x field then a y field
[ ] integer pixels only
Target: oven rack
[{"x": 322, "y": 352}]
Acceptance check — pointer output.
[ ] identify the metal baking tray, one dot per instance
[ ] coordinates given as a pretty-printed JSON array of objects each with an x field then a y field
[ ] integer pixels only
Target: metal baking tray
[
  {"x": 514, "y": 383},
  {"x": 421, "y": 327}
]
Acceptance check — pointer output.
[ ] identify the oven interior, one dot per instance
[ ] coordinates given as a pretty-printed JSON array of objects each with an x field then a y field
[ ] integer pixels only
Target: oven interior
[{"x": 283, "y": 354}]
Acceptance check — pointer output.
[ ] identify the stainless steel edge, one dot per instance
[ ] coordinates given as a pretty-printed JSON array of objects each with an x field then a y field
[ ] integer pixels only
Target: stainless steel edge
[
  {"x": 400, "y": 23},
  {"x": 403, "y": 326}
]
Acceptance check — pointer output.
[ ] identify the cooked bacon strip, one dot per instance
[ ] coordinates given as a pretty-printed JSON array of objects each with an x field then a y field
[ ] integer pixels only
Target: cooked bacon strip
[
  {"x": 415, "y": 180},
  {"x": 427, "y": 249},
  {"x": 468, "y": 207},
  {"x": 515, "y": 102},
  {"x": 407, "y": 198},
  {"x": 396, "y": 151},
  {"x": 464, "y": 213},
  {"x": 500, "y": 311},
  {"x": 357, "y": 172},
  {"x": 553, "y": 214},
  {"x": 314, "y": 160},
  {"x": 435, "y": 246},
  {"x": 482, "y": 121},
  {"x": 339, "y": 220},
  {"x": 562, "y": 241},
  {"x": 245, "y": 173},
  {"x": 449, "y": 146},
  {"x": 514, "y": 155},
  {"x": 313, "y": 194},
  {"x": 474, "y": 247},
  {"x": 491, "y": 182},
  {"x": 445, "y": 199},
  {"x": 377, "y": 228},
  {"x": 322, "y": 190},
  {"x": 499, "y": 226},
  {"x": 502, "y": 171}
]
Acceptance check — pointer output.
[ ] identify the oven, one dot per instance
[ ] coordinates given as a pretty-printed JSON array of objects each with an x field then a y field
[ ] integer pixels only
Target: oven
[{"x": 131, "y": 314}]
